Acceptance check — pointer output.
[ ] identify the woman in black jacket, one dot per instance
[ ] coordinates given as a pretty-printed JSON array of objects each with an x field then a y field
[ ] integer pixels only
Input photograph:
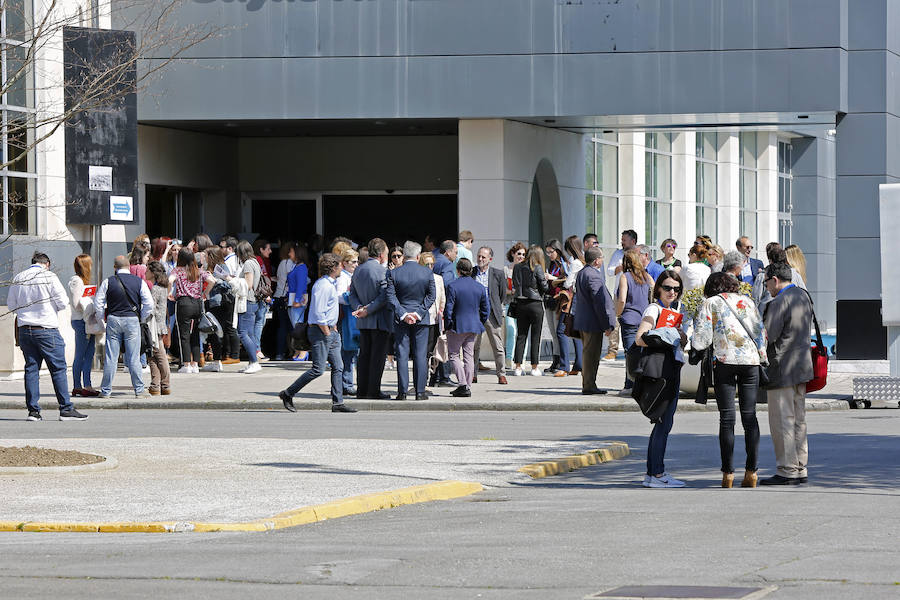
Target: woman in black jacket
[{"x": 530, "y": 285}]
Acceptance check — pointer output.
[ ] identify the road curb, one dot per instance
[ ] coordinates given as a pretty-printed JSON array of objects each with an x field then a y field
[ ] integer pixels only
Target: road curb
[
  {"x": 616, "y": 450},
  {"x": 106, "y": 465},
  {"x": 441, "y": 490},
  {"x": 686, "y": 405}
]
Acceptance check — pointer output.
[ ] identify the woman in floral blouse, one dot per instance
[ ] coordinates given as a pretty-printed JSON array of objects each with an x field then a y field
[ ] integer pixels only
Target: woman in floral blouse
[{"x": 729, "y": 322}]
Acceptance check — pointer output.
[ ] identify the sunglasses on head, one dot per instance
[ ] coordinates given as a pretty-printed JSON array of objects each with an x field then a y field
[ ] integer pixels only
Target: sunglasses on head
[
  {"x": 671, "y": 288},
  {"x": 520, "y": 253}
]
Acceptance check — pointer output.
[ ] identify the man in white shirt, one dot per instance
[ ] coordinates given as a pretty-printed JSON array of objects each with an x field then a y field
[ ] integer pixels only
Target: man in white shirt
[
  {"x": 36, "y": 296},
  {"x": 231, "y": 259},
  {"x": 614, "y": 269},
  {"x": 464, "y": 247}
]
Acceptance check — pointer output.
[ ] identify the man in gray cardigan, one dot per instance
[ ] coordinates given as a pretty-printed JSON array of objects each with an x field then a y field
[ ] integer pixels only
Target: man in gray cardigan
[{"x": 788, "y": 320}]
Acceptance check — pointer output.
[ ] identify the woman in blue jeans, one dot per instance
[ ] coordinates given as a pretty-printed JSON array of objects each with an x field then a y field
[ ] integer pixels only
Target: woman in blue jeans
[
  {"x": 632, "y": 299},
  {"x": 84, "y": 344},
  {"x": 665, "y": 311},
  {"x": 249, "y": 269}
]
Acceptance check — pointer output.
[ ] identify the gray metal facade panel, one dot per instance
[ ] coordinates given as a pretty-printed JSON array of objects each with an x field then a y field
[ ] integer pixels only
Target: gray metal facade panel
[
  {"x": 858, "y": 213},
  {"x": 852, "y": 281},
  {"x": 867, "y": 24},
  {"x": 496, "y": 86}
]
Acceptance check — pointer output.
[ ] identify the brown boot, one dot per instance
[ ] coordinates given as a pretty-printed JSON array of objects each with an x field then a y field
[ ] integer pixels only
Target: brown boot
[
  {"x": 501, "y": 379},
  {"x": 727, "y": 480},
  {"x": 750, "y": 479}
]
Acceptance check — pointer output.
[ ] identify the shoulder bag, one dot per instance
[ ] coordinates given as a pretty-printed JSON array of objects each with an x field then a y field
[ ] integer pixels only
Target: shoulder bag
[
  {"x": 146, "y": 336},
  {"x": 819, "y": 357},
  {"x": 763, "y": 373}
]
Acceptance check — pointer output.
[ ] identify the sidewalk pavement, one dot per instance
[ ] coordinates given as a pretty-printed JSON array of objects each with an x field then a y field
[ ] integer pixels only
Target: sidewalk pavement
[{"x": 230, "y": 389}]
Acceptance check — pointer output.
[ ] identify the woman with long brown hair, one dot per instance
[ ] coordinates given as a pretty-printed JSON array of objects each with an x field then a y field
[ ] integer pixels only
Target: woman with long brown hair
[
  {"x": 188, "y": 283},
  {"x": 81, "y": 293},
  {"x": 632, "y": 299},
  {"x": 530, "y": 284},
  {"x": 158, "y": 362}
]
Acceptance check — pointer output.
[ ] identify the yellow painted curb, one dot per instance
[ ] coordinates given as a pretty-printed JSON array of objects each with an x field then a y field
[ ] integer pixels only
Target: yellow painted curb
[
  {"x": 570, "y": 463},
  {"x": 441, "y": 490}
]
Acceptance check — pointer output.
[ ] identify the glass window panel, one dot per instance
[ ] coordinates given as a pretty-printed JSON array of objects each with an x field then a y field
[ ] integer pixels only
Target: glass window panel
[
  {"x": 650, "y": 140},
  {"x": 649, "y": 225},
  {"x": 663, "y": 173},
  {"x": 15, "y": 19},
  {"x": 17, "y": 142},
  {"x": 16, "y": 93},
  {"x": 708, "y": 145},
  {"x": 748, "y": 149},
  {"x": 19, "y": 205},
  {"x": 748, "y": 224},
  {"x": 706, "y": 221},
  {"x": 706, "y": 183},
  {"x": 590, "y": 182},
  {"x": 748, "y": 190},
  {"x": 649, "y": 176},
  {"x": 589, "y": 212},
  {"x": 607, "y": 223},
  {"x": 608, "y": 168}
]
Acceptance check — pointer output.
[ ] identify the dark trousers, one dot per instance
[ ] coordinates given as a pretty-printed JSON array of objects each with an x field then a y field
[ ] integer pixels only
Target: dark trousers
[
  {"x": 38, "y": 346},
  {"x": 373, "y": 349},
  {"x": 629, "y": 332},
  {"x": 230, "y": 344},
  {"x": 411, "y": 340},
  {"x": 323, "y": 349},
  {"x": 659, "y": 437},
  {"x": 564, "y": 347},
  {"x": 187, "y": 319},
  {"x": 530, "y": 317},
  {"x": 745, "y": 380},
  {"x": 280, "y": 309}
]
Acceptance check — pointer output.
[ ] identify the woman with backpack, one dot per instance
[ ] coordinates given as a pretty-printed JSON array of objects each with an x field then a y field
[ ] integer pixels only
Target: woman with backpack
[{"x": 251, "y": 273}]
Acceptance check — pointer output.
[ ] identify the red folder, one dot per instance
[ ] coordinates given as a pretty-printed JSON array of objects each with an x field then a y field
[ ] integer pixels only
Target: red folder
[
  {"x": 89, "y": 290},
  {"x": 669, "y": 318}
]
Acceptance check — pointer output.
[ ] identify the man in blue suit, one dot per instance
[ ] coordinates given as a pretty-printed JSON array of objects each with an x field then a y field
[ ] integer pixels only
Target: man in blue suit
[
  {"x": 752, "y": 266},
  {"x": 594, "y": 316},
  {"x": 375, "y": 320},
  {"x": 410, "y": 290},
  {"x": 466, "y": 310},
  {"x": 444, "y": 259}
]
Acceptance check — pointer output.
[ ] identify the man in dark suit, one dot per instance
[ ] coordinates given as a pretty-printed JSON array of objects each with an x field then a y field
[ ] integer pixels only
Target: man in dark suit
[
  {"x": 752, "y": 266},
  {"x": 464, "y": 315},
  {"x": 444, "y": 257},
  {"x": 594, "y": 316},
  {"x": 369, "y": 302},
  {"x": 788, "y": 320},
  {"x": 493, "y": 281},
  {"x": 410, "y": 290}
]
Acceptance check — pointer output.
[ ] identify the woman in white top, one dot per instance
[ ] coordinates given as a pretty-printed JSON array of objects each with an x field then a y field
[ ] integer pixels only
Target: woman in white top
[
  {"x": 695, "y": 274},
  {"x": 715, "y": 258},
  {"x": 349, "y": 349},
  {"x": 730, "y": 324},
  {"x": 435, "y": 311},
  {"x": 84, "y": 343},
  {"x": 574, "y": 250}
]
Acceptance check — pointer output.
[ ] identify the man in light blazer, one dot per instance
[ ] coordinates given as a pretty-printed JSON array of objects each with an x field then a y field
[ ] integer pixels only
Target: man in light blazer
[
  {"x": 410, "y": 290},
  {"x": 369, "y": 302},
  {"x": 595, "y": 316},
  {"x": 788, "y": 319},
  {"x": 465, "y": 314},
  {"x": 751, "y": 266},
  {"x": 493, "y": 281}
]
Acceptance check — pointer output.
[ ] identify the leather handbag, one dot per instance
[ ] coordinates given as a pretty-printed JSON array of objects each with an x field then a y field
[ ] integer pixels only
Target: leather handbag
[
  {"x": 569, "y": 325},
  {"x": 299, "y": 337},
  {"x": 209, "y": 324},
  {"x": 819, "y": 357}
]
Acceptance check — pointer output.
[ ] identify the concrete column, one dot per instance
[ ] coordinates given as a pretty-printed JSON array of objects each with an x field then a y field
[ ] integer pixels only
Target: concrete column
[
  {"x": 728, "y": 191},
  {"x": 631, "y": 183},
  {"x": 684, "y": 191},
  {"x": 766, "y": 191}
]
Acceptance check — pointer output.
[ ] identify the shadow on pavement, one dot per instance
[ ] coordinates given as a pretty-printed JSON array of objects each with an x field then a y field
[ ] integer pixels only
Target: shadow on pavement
[{"x": 325, "y": 469}]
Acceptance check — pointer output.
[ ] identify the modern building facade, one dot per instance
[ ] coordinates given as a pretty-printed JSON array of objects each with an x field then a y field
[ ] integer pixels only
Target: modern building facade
[{"x": 528, "y": 120}]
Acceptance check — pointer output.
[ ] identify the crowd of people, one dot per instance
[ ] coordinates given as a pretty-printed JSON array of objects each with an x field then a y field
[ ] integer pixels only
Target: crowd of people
[{"x": 359, "y": 309}]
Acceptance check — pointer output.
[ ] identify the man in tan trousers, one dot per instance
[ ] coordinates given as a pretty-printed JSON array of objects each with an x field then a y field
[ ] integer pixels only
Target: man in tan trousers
[{"x": 788, "y": 319}]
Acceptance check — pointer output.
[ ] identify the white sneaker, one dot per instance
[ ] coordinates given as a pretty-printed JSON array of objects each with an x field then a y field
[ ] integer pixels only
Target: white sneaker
[
  {"x": 663, "y": 481},
  {"x": 260, "y": 356},
  {"x": 252, "y": 368},
  {"x": 145, "y": 369},
  {"x": 195, "y": 369},
  {"x": 185, "y": 369},
  {"x": 536, "y": 373},
  {"x": 517, "y": 372},
  {"x": 212, "y": 367}
]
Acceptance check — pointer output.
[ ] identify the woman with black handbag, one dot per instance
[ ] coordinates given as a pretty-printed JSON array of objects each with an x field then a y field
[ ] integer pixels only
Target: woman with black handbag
[
  {"x": 188, "y": 283},
  {"x": 729, "y": 323},
  {"x": 530, "y": 284}
]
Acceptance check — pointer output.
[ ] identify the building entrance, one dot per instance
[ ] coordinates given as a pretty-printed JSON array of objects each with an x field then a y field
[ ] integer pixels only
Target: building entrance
[{"x": 394, "y": 218}]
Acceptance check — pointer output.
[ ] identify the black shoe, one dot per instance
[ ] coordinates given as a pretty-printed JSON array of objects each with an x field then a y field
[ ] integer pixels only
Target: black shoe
[
  {"x": 349, "y": 392},
  {"x": 554, "y": 366},
  {"x": 287, "y": 401},
  {"x": 780, "y": 480},
  {"x": 34, "y": 415},
  {"x": 401, "y": 396},
  {"x": 342, "y": 408},
  {"x": 593, "y": 392},
  {"x": 423, "y": 396},
  {"x": 461, "y": 392},
  {"x": 475, "y": 379},
  {"x": 447, "y": 383},
  {"x": 70, "y": 415}
]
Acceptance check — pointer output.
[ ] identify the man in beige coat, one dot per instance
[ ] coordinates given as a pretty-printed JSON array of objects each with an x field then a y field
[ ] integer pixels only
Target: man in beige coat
[{"x": 788, "y": 320}]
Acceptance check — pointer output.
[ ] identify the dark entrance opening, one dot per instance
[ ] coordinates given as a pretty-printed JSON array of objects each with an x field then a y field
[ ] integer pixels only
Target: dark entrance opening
[
  {"x": 174, "y": 212},
  {"x": 394, "y": 218},
  {"x": 284, "y": 220}
]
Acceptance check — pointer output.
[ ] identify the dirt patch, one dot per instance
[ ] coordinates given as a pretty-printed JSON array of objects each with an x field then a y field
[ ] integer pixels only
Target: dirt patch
[{"x": 30, "y": 456}]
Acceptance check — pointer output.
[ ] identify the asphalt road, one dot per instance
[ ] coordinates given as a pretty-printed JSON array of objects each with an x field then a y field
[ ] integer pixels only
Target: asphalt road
[{"x": 561, "y": 537}]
